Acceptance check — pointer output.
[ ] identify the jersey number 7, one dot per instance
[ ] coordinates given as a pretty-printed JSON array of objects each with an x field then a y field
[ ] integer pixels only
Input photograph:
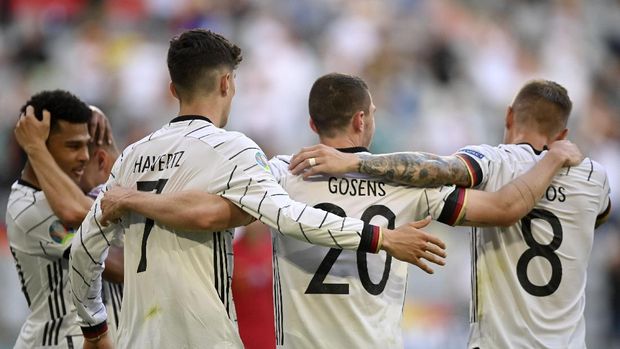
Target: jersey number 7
[
  {"x": 317, "y": 284},
  {"x": 158, "y": 186}
]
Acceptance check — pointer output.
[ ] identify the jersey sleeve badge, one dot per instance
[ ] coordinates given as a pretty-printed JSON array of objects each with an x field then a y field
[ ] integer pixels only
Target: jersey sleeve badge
[
  {"x": 59, "y": 233},
  {"x": 261, "y": 160}
]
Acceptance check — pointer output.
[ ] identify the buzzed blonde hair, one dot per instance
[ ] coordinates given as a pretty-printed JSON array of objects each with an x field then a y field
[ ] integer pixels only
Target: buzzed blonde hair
[{"x": 543, "y": 104}]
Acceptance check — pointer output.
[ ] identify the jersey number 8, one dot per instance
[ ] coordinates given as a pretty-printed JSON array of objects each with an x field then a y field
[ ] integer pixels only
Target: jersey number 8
[{"x": 538, "y": 250}]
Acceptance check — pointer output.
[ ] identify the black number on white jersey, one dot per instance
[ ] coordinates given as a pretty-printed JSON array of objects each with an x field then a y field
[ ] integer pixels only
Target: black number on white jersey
[
  {"x": 158, "y": 186},
  {"x": 317, "y": 285},
  {"x": 545, "y": 251}
]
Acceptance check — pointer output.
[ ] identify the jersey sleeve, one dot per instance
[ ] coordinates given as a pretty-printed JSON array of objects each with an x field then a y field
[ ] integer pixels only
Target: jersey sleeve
[
  {"x": 278, "y": 165},
  {"x": 480, "y": 161},
  {"x": 46, "y": 235},
  {"x": 245, "y": 179},
  {"x": 605, "y": 206},
  {"x": 88, "y": 253},
  {"x": 444, "y": 204}
]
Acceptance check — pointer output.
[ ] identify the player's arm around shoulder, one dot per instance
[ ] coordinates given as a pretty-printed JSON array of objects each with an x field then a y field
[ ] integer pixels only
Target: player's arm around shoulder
[
  {"x": 190, "y": 210},
  {"x": 89, "y": 249},
  {"x": 187, "y": 210},
  {"x": 514, "y": 200},
  {"x": 416, "y": 169}
]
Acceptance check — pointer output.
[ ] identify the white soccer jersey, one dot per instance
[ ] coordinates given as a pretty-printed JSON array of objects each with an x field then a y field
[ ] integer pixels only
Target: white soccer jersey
[
  {"x": 529, "y": 279},
  {"x": 38, "y": 241},
  {"x": 177, "y": 284},
  {"x": 331, "y": 298}
]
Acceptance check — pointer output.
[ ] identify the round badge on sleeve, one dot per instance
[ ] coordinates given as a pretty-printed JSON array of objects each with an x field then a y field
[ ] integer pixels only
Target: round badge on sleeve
[
  {"x": 59, "y": 233},
  {"x": 261, "y": 160}
]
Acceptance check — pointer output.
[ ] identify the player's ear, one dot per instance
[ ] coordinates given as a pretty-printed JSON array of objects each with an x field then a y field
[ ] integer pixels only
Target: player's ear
[
  {"x": 173, "y": 90},
  {"x": 562, "y": 135},
  {"x": 510, "y": 117},
  {"x": 358, "y": 121},
  {"x": 101, "y": 157},
  {"x": 225, "y": 82},
  {"x": 313, "y": 126}
]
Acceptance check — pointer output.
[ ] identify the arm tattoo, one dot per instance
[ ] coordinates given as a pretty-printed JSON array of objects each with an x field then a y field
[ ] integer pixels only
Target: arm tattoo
[{"x": 416, "y": 169}]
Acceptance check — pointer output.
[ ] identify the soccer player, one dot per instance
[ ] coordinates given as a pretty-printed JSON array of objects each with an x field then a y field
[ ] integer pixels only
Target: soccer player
[
  {"x": 57, "y": 187},
  {"x": 40, "y": 222},
  {"x": 329, "y": 297},
  {"x": 96, "y": 172},
  {"x": 177, "y": 285},
  {"x": 529, "y": 278}
]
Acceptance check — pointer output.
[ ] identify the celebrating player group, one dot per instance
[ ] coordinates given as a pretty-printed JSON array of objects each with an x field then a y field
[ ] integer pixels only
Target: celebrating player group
[{"x": 133, "y": 248}]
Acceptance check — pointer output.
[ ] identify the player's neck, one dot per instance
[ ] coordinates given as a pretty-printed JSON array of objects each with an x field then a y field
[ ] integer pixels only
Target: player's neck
[
  {"x": 340, "y": 142},
  {"x": 537, "y": 141},
  {"x": 213, "y": 110},
  {"x": 29, "y": 176}
]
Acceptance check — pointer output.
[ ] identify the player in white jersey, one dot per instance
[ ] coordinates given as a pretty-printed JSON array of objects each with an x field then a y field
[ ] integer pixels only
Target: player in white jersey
[
  {"x": 330, "y": 297},
  {"x": 528, "y": 279},
  {"x": 40, "y": 230},
  {"x": 179, "y": 295},
  {"x": 96, "y": 172}
]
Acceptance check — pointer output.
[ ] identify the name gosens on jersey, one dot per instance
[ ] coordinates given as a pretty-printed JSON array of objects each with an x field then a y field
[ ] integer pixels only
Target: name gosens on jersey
[{"x": 333, "y": 298}]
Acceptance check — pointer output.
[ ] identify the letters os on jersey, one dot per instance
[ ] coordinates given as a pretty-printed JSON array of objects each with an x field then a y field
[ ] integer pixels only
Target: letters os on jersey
[{"x": 529, "y": 279}]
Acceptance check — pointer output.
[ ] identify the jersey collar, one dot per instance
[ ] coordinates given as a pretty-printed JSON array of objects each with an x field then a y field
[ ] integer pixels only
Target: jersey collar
[
  {"x": 28, "y": 184},
  {"x": 353, "y": 150},
  {"x": 536, "y": 151},
  {"x": 190, "y": 117}
]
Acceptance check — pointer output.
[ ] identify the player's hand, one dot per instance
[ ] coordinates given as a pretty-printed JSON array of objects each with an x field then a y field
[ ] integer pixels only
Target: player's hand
[
  {"x": 104, "y": 342},
  {"x": 568, "y": 151},
  {"x": 31, "y": 133},
  {"x": 112, "y": 208},
  {"x": 410, "y": 244},
  {"x": 326, "y": 160},
  {"x": 99, "y": 127}
]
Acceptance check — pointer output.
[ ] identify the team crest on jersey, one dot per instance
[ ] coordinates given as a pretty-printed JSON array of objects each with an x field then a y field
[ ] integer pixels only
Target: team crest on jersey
[
  {"x": 473, "y": 152},
  {"x": 59, "y": 233},
  {"x": 261, "y": 160}
]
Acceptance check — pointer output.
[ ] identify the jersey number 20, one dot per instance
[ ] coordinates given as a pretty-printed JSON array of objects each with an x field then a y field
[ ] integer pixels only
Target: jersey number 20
[
  {"x": 538, "y": 250},
  {"x": 317, "y": 284}
]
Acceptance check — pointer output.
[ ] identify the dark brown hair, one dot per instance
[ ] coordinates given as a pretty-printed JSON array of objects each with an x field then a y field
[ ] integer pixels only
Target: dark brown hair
[
  {"x": 195, "y": 56},
  {"x": 334, "y": 99}
]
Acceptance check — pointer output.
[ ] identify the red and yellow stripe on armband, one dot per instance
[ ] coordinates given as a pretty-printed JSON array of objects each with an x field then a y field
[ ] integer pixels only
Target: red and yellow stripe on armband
[
  {"x": 454, "y": 207},
  {"x": 473, "y": 168}
]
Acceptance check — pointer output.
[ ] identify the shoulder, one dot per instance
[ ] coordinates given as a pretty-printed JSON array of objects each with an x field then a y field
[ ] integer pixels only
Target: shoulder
[
  {"x": 279, "y": 165},
  {"x": 500, "y": 152},
  {"x": 281, "y": 160},
  {"x": 594, "y": 171},
  {"x": 223, "y": 141},
  {"x": 24, "y": 202},
  {"x": 33, "y": 215},
  {"x": 480, "y": 151},
  {"x": 94, "y": 192}
]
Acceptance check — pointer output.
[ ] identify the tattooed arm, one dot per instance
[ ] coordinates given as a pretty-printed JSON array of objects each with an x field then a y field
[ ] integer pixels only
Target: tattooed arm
[
  {"x": 411, "y": 168},
  {"x": 416, "y": 169}
]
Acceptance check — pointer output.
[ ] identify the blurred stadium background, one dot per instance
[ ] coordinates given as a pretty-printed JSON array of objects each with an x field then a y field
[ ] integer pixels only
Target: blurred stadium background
[{"x": 441, "y": 72}]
